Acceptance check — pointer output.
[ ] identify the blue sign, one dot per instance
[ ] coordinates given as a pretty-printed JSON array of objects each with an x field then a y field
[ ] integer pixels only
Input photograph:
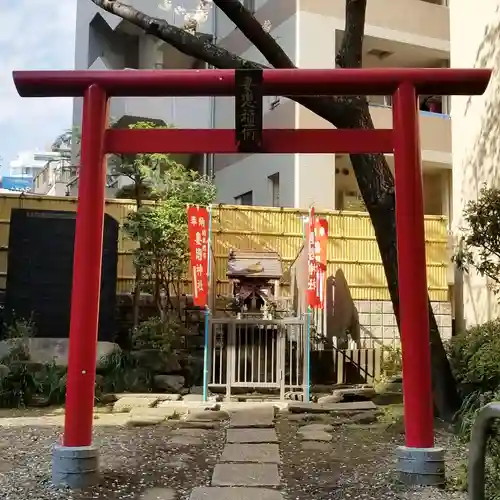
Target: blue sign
[{"x": 19, "y": 184}]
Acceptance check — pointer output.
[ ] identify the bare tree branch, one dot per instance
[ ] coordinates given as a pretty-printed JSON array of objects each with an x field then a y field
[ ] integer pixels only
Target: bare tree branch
[
  {"x": 263, "y": 41},
  {"x": 194, "y": 45},
  {"x": 199, "y": 47}
]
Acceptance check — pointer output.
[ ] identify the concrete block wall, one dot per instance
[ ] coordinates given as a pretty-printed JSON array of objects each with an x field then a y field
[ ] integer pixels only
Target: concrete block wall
[{"x": 379, "y": 327}]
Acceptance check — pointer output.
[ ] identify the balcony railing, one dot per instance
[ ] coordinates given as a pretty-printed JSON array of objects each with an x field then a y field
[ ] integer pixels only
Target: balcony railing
[{"x": 433, "y": 105}]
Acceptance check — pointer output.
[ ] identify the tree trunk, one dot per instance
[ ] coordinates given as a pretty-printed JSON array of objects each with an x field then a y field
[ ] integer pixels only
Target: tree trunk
[
  {"x": 376, "y": 184},
  {"x": 136, "y": 300}
]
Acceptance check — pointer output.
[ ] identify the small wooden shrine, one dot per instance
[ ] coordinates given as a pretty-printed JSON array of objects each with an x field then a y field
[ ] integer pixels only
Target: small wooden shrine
[{"x": 254, "y": 278}]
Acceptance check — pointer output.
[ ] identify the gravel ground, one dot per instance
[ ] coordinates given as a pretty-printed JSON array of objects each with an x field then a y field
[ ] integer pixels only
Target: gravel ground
[
  {"x": 357, "y": 464},
  {"x": 132, "y": 460}
]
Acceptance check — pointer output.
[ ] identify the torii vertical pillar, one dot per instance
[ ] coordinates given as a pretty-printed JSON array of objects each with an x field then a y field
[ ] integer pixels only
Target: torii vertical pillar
[
  {"x": 418, "y": 462},
  {"x": 75, "y": 463}
]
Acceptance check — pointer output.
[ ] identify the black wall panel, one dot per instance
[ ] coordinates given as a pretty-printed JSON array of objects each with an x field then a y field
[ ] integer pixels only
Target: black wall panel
[{"x": 40, "y": 271}]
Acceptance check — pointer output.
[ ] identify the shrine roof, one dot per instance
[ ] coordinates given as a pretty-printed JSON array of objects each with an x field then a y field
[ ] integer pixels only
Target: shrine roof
[{"x": 254, "y": 264}]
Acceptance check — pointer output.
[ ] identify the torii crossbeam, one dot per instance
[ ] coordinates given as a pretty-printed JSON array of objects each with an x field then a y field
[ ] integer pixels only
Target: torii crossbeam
[{"x": 75, "y": 461}]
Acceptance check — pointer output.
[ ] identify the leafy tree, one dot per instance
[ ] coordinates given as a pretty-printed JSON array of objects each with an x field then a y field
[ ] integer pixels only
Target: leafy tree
[
  {"x": 160, "y": 227},
  {"x": 140, "y": 169},
  {"x": 480, "y": 244},
  {"x": 375, "y": 180},
  {"x": 69, "y": 138}
]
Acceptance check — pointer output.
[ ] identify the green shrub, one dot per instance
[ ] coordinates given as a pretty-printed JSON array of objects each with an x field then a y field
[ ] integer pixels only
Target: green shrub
[
  {"x": 157, "y": 334},
  {"x": 20, "y": 328},
  {"x": 392, "y": 362},
  {"x": 474, "y": 357},
  {"x": 25, "y": 383},
  {"x": 467, "y": 416},
  {"x": 121, "y": 372}
]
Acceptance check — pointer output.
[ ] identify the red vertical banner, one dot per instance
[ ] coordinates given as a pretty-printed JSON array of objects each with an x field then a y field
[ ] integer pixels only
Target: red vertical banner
[
  {"x": 312, "y": 281},
  {"x": 198, "y": 222},
  {"x": 320, "y": 249}
]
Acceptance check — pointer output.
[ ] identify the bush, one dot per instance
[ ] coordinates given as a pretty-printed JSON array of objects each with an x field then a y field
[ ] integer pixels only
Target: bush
[
  {"x": 467, "y": 416},
  {"x": 121, "y": 372},
  {"x": 474, "y": 357},
  {"x": 27, "y": 385},
  {"x": 157, "y": 334},
  {"x": 392, "y": 362},
  {"x": 21, "y": 328}
]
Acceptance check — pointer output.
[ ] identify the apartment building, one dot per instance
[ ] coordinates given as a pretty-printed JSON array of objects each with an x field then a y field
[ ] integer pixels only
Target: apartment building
[
  {"x": 408, "y": 33},
  {"x": 56, "y": 178},
  {"x": 393, "y": 38},
  {"x": 104, "y": 42},
  {"x": 475, "y": 42}
]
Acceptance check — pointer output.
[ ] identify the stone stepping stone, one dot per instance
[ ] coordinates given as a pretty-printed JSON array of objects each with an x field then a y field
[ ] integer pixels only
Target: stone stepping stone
[
  {"x": 195, "y": 424},
  {"x": 161, "y": 396},
  {"x": 252, "y": 418},
  {"x": 246, "y": 475},
  {"x": 349, "y": 394},
  {"x": 259, "y": 453},
  {"x": 341, "y": 408},
  {"x": 207, "y": 493},
  {"x": 207, "y": 416},
  {"x": 315, "y": 436},
  {"x": 190, "y": 406},
  {"x": 152, "y": 412},
  {"x": 315, "y": 446},
  {"x": 251, "y": 436},
  {"x": 144, "y": 421},
  {"x": 126, "y": 404},
  {"x": 316, "y": 428},
  {"x": 159, "y": 494}
]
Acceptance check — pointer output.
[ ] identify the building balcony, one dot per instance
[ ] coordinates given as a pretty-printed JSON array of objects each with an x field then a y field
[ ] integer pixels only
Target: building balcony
[
  {"x": 427, "y": 20},
  {"x": 418, "y": 17},
  {"x": 435, "y": 130}
]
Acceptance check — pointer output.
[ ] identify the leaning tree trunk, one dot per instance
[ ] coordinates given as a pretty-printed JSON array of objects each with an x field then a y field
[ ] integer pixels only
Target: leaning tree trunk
[{"x": 376, "y": 184}]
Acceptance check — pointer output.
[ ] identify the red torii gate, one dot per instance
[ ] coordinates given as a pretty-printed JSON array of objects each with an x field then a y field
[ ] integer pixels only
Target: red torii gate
[{"x": 75, "y": 462}]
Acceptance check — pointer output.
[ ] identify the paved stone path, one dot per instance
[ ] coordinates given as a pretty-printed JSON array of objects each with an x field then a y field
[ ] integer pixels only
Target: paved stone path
[{"x": 248, "y": 468}]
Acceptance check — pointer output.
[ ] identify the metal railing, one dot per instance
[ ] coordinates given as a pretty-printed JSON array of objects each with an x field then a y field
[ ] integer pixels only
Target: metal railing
[
  {"x": 257, "y": 354},
  {"x": 366, "y": 361},
  {"x": 477, "y": 450}
]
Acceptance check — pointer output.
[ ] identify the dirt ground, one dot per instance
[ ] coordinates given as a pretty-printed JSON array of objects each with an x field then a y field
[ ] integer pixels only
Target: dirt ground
[{"x": 358, "y": 463}]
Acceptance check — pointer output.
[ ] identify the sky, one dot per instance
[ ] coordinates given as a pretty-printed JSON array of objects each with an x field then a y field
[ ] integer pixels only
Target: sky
[{"x": 34, "y": 34}]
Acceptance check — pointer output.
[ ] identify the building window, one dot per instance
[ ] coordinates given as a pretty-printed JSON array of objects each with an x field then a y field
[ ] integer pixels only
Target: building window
[
  {"x": 249, "y": 4},
  {"x": 244, "y": 199},
  {"x": 274, "y": 102},
  {"x": 274, "y": 184}
]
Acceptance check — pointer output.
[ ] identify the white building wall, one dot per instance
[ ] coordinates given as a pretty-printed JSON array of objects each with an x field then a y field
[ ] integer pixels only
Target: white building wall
[
  {"x": 182, "y": 112},
  {"x": 252, "y": 173},
  {"x": 475, "y": 42},
  {"x": 315, "y": 173}
]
